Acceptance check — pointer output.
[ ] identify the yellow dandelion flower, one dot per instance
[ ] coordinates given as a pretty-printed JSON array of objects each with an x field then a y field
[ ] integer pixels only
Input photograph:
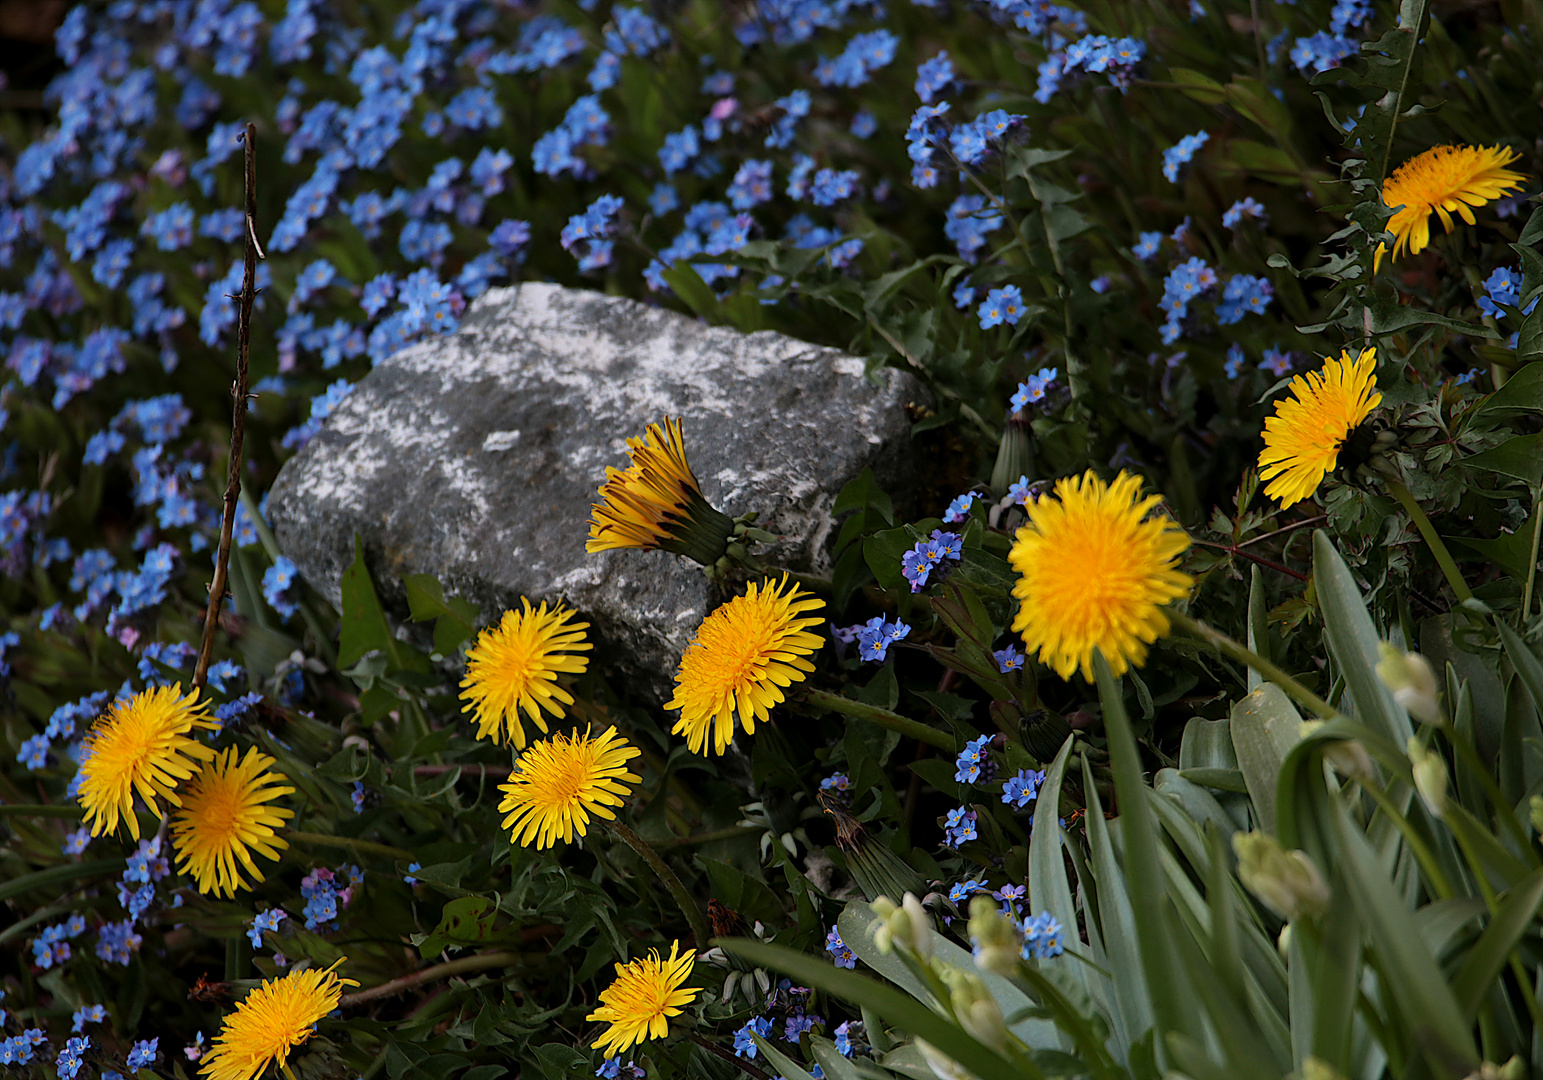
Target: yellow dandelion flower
[
  {"x": 656, "y": 502},
  {"x": 1302, "y": 440},
  {"x": 561, "y": 782},
  {"x": 271, "y": 1021},
  {"x": 514, "y": 666},
  {"x": 224, "y": 819},
  {"x": 1443, "y": 179},
  {"x": 1094, "y": 571},
  {"x": 646, "y": 992},
  {"x": 739, "y": 660},
  {"x": 141, "y": 745}
]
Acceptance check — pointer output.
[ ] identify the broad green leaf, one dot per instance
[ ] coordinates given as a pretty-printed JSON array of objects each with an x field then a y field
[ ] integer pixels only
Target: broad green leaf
[
  {"x": 364, "y": 626},
  {"x": 1201, "y": 88},
  {"x": 1117, "y": 924},
  {"x": 786, "y": 1067},
  {"x": 1475, "y": 979},
  {"x": 1265, "y": 727},
  {"x": 1528, "y": 667},
  {"x": 1047, "y": 865},
  {"x": 1417, "y": 989},
  {"x": 1520, "y": 458},
  {"x": 1522, "y": 394},
  {"x": 455, "y": 618},
  {"x": 900, "y": 1009},
  {"x": 1172, "y": 1003},
  {"x": 696, "y": 293},
  {"x": 1353, "y": 640}
]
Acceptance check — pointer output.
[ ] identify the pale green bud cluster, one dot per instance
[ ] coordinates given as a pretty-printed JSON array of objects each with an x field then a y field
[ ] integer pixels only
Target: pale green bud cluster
[
  {"x": 1286, "y": 882},
  {"x": 907, "y": 926},
  {"x": 1413, "y": 683},
  {"x": 997, "y": 945},
  {"x": 1430, "y": 777}
]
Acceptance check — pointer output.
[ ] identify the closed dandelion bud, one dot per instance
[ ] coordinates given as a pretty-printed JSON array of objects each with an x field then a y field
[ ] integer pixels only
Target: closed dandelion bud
[
  {"x": 977, "y": 1011},
  {"x": 1430, "y": 777},
  {"x": 1286, "y": 882},
  {"x": 1413, "y": 683},
  {"x": 656, "y": 502},
  {"x": 994, "y": 936}
]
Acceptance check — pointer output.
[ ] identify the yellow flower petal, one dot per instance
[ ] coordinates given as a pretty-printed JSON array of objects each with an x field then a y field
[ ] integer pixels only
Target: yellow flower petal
[
  {"x": 1303, "y": 439},
  {"x": 271, "y": 1021},
  {"x": 514, "y": 666},
  {"x": 646, "y": 992},
  {"x": 1443, "y": 179},
  {"x": 141, "y": 745},
  {"x": 561, "y": 782},
  {"x": 223, "y": 819},
  {"x": 656, "y": 502},
  {"x": 1094, "y": 573},
  {"x": 741, "y": 656}
]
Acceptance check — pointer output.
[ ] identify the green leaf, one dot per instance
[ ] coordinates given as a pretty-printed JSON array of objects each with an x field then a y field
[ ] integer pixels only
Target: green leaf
[
  {"x": 1520, "y": 458},
  {"x": 899, "y": 1009},
  {"x": 1268, "y": 163},
  {"x": 1265, "y": 728},
  {"x": 1391, "y": 317},
  {"x": 863, "y": 491},
  {"x": 1353, "y": 640},
  {"x": 1201, "y": 88},
  {"x": 1529, "y": 669},
  {"x": 1173, "y": 1004},
  {"x": 364, "y": 627},
  {"x": 693, "y": 291},
  {"x": 58, "y": 875},
  {"x": 455, "y": 618},
  {"x": 1534, "y": 229},
  {"x": 786, "y": 1067},
  {"x": 1253, "y": 99}
]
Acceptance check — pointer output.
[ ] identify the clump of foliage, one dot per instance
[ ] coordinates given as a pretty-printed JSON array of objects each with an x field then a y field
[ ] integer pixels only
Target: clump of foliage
[{"x": 1104, "y": 235}]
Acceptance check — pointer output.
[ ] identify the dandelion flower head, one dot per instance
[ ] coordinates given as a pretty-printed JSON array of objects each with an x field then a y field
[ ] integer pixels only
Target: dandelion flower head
[
  {"x": 645, "y": 994},
  {"x": 142, "y": 745},
  {"x": 656, "y": 502},
  {"x": 561, "y": 782},
  {"x": 1303, "y": 439},
  {"x": 1444, "y": 179},
  {"x": 225, "y": 818},
  {"x": 1094, "y": 572},
  {"x": 742, "y": 656},
  {"x": 513, "y": 668},
  {"x": 271, "y": 1021}
]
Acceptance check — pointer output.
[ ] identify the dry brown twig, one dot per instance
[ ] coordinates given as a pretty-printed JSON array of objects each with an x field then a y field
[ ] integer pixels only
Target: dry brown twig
[{"x": 240, "y": 393}]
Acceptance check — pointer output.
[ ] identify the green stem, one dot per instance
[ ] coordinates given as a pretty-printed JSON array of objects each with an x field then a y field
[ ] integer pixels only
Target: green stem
[
  {"x": 1422, "y": 852},
  {"x": 688, "y": 906},
  {"x": 1532, "y": 562},
  {"x": 1432, "y": 541},
  {"x": 464, "y": 966},
  {"x": 1244, "y": 655},
  {"x": 368, "y": 847},
  {"x": 730, "y": 833},
  {"x": 904, "y": 725},
  {"x": 1503, "y": 808},
  {"x": 40, "y": 810}
]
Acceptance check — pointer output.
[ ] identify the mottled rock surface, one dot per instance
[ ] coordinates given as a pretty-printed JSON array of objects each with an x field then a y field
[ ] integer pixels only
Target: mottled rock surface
[{"x": 475, "y": 457}]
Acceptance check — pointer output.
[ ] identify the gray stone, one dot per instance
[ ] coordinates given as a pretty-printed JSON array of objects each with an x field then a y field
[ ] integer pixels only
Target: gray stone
[{"x": 475, "y": 457}]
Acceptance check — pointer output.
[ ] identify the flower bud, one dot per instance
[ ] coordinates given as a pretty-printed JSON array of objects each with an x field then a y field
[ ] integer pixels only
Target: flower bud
[
  {"x": 908, "y": 926},
  {"x": 994, "y": 936},
  {"x": 1412, "y": 681},
  {"x": 943, "y": 1066},
  {"x": 921, "y": 925},
  {"x": 1315, "y": 1068},
  {"x": 977, "y": 1011},
  {"x": 1286, "y": 882},
  {"x": 1346, "y": 756},
  {"x": 1430, "y": 777}
]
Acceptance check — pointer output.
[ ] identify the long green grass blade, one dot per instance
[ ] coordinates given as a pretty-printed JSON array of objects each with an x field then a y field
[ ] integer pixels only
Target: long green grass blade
[
  {"x": 898, "y": 1008},
  {"x": 58, "y": 875},
  {"x": 1172, "y": 1003},
  {"x": 1353, "y": 639},
  {"x": 1484, "y": 962}
]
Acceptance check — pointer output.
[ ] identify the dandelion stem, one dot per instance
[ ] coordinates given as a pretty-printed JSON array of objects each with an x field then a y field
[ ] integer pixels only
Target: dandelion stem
[
  {"x": 739, "y": 1063},
  {"x": 1432, "y": 541},
  {"x": 367, "y": 847},
  {"x": 1244, "y": 655},
  {"x": 466, "y": 965},
  {"x": 904, "y": 725},
  {"x": 688, "y": 906},
  {"x": 239, "y": 390}
]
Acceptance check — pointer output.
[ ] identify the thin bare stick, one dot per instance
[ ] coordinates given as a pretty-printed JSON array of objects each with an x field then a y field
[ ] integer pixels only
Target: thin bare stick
[
  {"x": 238, "y": 412},
  {"x": 466, "y": 965}
]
